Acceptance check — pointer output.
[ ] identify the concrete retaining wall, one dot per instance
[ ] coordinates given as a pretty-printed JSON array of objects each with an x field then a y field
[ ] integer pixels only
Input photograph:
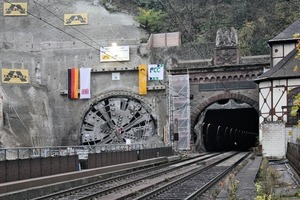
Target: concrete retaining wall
[
  {"x": 14, "y": 170},
  {"x": 31, "y": 188}
]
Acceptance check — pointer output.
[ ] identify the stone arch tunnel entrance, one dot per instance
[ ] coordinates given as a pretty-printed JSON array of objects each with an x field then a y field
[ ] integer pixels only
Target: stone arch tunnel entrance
[{"x": 225, "y": 125}]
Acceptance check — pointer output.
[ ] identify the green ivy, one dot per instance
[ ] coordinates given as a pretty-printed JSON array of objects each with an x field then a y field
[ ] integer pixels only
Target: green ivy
[
  {"x": 296, "y": 106},
  {"x": 151, "y": 19}
]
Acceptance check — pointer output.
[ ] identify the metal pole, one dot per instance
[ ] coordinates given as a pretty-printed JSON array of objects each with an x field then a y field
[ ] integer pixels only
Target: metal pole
[{"x": 175, "y": 133}]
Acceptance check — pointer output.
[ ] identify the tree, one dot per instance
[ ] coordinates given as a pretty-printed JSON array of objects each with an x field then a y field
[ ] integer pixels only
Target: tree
[
  {"x": 151, "y": 19},
  {"x": 245, "y": 37},
  {"x": 295, "y": 111},
  {"x": 257, "y": 21},
  {"x": 148, "y": 4}
]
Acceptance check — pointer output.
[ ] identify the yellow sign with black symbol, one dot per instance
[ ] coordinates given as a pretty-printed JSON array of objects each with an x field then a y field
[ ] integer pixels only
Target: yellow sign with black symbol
[
  {"x": 15, "y": 76},
  {"x": 15, "y": 9},
  {"x": 143, "y": 79},
  {"x": 75, "y": 19}
]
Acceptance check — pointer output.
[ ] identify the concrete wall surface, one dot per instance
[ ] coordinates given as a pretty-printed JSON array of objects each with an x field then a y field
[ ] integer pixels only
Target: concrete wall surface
[{"x": 39, "y": 113}]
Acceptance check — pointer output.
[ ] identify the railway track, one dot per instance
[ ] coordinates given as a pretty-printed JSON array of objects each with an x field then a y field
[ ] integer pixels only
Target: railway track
[
  {"x": 193, "y": 185},
  {"x": 120, "y": 181},
  {"x": 155, "y": 182}
]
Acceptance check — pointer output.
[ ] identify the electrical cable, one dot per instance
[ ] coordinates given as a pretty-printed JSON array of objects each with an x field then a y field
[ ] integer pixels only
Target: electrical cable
[
  {"x": 197, "y": 50},
  {"x": 189, "y": 41},
  {"x": 164, "y": 7},
  {"x": 192, "y": 46},
  {"x": 39, "y": 18},
  {"x": 174, "y": 21},
  {"x": 98, "y": 49},
  {"x": 69, "y": 26}
]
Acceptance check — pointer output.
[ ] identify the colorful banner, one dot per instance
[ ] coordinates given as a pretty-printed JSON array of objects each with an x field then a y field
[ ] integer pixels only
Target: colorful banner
[
  {"x": 143, "y": 79},
  {"x": 75, "y": 19},
  {"x": 15, "y": 76},
  {"x": 73, "y": 80},
  {"x": 156, "y": 72},
  {"x": 114, "y": 54},
  {"x": 15, "y": 9},
  {"x": 85, "y": 83}
]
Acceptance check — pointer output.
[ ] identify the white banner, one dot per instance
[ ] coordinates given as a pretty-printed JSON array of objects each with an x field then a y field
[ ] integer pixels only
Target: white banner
[
  {"x": 85, "y": 83},
  {"x": 156, "y": 72},
  {"x": 114, "y": 54}
]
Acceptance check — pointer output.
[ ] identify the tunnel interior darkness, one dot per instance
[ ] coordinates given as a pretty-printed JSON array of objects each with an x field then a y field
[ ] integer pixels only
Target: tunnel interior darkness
[{"x": 230, "y": 129}]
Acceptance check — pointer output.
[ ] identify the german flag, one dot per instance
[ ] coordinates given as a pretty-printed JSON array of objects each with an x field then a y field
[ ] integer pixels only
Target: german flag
[{"x": 73, "y": 83}]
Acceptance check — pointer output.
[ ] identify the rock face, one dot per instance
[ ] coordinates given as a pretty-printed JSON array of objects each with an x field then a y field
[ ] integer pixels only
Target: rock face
[
  {"x": 27, "y": 116},
  {"x": 39, "y": 113}
]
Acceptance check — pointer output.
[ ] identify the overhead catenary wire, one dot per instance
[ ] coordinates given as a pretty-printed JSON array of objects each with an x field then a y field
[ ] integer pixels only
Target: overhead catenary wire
[
  {"x": 197, "y": 50},
  {"x": 182, "y": 25},
  {"x": 195, "y": 100},
  {"x": 50, "y": 24},
  {"x": 39, "y": 18},
  {"x": 69, "y": 26},
  {"x": 72, "y": 36}
]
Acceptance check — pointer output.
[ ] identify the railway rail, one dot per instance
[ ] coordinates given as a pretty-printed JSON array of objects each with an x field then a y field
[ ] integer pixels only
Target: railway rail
[
  {"x": 155, "y": 181},
  {"x": 121, "y": 181},
  {"x": 193, "y": 185}
]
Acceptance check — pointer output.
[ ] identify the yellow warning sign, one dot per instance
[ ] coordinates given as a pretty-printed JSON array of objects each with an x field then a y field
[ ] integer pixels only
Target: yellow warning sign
[
  {"x": 15, "y": 76},
  {"x": 75, "y": 19},
  {"x": 143, "y": 79},
  {"x": 15, "y": 9}
]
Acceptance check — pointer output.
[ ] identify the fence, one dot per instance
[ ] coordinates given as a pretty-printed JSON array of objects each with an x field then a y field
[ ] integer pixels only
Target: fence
[
  {"x": 20, "y": 169},
  {"x": 50, "y": 161},
  {"x": 81, "y": 151},
  {"x": 293, "y": 155},
  {"x": 113, "y": 158}
]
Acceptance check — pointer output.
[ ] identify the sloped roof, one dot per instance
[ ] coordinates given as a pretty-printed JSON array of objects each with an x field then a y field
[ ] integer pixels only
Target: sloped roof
[
  {"x": 284, "y": 69},
  {"x": 288, "y": 33}
]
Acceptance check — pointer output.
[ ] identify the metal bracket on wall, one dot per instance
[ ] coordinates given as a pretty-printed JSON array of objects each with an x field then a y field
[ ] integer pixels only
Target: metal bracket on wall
[
  {"x": 153, "y": 87},
  {"x": 114, "y": 69},
  {"x": 156, "y": 87},
  {"x": 64, "y": 92}
]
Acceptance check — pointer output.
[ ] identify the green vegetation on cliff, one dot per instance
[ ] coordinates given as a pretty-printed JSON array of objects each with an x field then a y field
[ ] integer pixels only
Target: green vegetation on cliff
[{"x": 257, "y": 21}]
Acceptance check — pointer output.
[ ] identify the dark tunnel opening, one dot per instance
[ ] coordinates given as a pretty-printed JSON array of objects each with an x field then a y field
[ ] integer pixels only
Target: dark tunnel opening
[{"x": 230, "y": 129}]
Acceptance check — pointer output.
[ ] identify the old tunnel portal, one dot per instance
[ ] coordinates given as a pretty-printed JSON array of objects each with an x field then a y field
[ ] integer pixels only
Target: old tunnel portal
[{"x": 227, "y": 125}]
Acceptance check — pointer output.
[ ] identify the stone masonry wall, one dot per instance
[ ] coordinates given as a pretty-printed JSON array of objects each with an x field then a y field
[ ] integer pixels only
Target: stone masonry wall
[{"x": 273, "y": 140}]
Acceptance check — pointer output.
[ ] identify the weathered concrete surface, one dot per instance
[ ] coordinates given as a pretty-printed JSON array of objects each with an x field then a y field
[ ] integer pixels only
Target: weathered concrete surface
[{"x": 37, "y": 114}]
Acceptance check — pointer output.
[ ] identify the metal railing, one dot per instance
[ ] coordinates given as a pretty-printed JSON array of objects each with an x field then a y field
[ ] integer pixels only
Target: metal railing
[
  {"x": 293, "y": 155},
  {"x": 82, "y": 151}
]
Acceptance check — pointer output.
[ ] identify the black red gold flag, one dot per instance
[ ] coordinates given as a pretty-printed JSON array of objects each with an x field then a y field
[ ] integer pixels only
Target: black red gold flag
[{"x": 73, "y": 83}]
